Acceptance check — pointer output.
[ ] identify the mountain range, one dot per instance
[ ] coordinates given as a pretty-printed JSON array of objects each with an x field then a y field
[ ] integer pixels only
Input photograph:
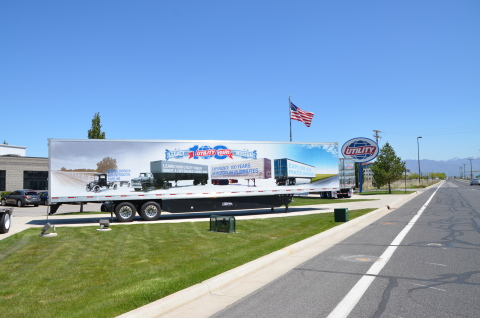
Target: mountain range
[{"x": 455, "y": 167}]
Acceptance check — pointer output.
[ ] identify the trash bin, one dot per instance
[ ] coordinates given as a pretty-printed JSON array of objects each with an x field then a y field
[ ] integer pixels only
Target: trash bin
[
  {"x": 340, "y": 215},
  {"x": 220, "y": 223}
]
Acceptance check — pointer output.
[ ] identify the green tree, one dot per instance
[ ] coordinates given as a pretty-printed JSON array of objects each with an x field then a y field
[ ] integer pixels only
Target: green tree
[
  {"x": 388, "y": 168},
  {"x": 96, "y": 131},
  {"x": 106, "y": 164}
]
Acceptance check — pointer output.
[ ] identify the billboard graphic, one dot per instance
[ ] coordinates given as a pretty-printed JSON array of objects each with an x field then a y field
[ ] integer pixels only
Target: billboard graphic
[{"x": 93, "y": 167}]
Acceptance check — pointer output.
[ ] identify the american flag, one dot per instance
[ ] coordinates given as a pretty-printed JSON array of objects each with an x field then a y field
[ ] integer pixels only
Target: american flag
[{"x": 297, "y": 114}]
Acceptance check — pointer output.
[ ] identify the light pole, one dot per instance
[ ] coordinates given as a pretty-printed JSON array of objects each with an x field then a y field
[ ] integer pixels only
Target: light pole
[
  {"x": 418, "y": 151},
  {"x": 471, "y": 173}
]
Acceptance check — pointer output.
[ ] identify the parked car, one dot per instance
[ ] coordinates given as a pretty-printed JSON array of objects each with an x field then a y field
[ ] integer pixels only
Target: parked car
[
  {"x": 43, "y": 197},
  {"x": 21, "y": 198},
  {"x": 475, "y": 181}
]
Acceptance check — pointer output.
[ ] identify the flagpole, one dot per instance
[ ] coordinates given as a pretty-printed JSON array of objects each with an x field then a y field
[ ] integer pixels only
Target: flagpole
[{"x": 290, "y": 116}]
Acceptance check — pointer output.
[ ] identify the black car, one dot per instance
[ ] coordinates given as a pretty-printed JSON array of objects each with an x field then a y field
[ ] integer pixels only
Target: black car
[
  {"x": 21, "y": 198},
  {"x": 43, "y": 197}
]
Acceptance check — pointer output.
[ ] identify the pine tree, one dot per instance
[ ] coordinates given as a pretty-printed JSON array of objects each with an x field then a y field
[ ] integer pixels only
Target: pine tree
[
  {"x": 388, "y": 168},
  {"x": 96, "y": 131}
]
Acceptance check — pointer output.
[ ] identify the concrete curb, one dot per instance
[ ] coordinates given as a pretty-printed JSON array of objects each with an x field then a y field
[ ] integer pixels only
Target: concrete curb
[{"x": 168, "y": 304}]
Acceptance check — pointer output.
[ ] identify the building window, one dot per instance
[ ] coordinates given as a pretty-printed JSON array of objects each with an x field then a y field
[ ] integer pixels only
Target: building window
[
  {"x": 35, "y": 180},
  {"x": 3, "y": 176}
]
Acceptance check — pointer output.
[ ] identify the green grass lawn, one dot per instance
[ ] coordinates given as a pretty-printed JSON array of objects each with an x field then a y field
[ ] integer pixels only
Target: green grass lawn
[
  {"x": 322, "y": 176},
  {"x": 86, "y": 273}
]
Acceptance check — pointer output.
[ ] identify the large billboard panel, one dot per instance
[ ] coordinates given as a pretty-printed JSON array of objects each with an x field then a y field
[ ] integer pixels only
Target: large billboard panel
[{"x": 75, "y": 165}]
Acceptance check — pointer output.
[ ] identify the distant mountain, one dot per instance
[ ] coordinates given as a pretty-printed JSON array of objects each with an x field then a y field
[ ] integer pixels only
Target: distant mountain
[{"x": 451, "y": 167}]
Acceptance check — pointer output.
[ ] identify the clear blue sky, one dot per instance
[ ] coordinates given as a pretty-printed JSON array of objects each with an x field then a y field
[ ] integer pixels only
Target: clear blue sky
[{"x": 224, "y": 70}]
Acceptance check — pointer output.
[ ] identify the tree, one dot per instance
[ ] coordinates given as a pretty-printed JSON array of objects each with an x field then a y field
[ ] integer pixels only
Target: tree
[
  {"x": 106, "y": 164},
  {"x": 96, "y": 131},
  {"x": 388, "y": 168}
]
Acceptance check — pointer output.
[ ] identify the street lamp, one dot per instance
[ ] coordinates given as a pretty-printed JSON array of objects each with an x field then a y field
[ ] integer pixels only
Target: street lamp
[
  {"x": 418, "y": 150},
  {"x": 471, "y": 173}
]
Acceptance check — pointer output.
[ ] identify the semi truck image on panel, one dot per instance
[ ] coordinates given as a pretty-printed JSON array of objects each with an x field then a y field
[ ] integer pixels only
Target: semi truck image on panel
[
  {"x": 162, "y": 172},
  {"x": 287, "y": 171},
  {"x": 223, "y": 174}
]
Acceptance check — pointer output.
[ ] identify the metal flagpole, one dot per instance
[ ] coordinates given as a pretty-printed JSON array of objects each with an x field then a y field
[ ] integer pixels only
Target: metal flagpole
[{"x": 290, "y": 116}]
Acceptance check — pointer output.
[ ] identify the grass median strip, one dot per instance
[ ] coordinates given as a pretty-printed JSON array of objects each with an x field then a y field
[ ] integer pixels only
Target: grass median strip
[{"x": 86, "y": 273}]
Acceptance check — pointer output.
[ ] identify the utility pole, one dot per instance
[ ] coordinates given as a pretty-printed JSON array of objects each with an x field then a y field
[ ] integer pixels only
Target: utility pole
[
  {"x": 377, "y": 136},
  {"x": 464, "y": 173},
  {"x": 471, "y": 174}
]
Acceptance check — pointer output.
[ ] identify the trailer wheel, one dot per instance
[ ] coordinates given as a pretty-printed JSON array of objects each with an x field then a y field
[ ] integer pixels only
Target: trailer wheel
[
  {"x": 5, "y": 223},
  {"x": 150, "y": 211},
  {"x": 125, "y": 212}
]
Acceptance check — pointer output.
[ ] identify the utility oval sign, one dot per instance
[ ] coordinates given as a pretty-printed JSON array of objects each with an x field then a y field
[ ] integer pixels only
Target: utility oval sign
[{"x": 360, "y": 149}]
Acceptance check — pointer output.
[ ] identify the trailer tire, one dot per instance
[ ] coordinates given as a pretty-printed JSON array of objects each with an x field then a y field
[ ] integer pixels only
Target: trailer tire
[
  {"x": 150, "y": 211},
  {"x": 5, "y": 223},
  {"x": 125, "y": 212}
]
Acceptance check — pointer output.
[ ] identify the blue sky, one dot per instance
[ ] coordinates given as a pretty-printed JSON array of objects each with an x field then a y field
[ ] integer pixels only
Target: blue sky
[{"x": 225, "y": 70}]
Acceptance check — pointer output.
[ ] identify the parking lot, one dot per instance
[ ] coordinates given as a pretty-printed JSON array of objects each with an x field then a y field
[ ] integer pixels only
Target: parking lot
[{"x": 42, "y": 210}]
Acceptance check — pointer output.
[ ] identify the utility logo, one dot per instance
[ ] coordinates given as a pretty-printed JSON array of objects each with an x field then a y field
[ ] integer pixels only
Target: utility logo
[
  {"x": 360, "y": 149},
  {"x": 207, "y": 152}
]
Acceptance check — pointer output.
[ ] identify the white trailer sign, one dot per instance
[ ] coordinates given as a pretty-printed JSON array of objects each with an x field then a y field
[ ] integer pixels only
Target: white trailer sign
[
  {"x": 248, "y": 169},
  {"x": 74, "y": 163}
]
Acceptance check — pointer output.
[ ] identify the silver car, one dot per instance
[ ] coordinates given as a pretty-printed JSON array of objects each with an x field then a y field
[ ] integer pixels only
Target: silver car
[
  {"x": 21, "y": 198},
  {"x": 475, "y": 182}
]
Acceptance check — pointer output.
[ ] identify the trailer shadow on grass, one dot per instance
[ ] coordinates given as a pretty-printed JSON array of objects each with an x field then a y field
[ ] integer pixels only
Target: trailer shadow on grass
[{"x": 199, "y": 216}]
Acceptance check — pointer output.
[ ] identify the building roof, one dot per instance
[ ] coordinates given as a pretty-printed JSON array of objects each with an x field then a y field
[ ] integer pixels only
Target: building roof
[{"x": 8, "y": 150}]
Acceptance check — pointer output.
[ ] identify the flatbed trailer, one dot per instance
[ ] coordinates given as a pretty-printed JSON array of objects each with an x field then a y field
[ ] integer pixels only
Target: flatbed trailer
[{"x": 136, "y": 156}]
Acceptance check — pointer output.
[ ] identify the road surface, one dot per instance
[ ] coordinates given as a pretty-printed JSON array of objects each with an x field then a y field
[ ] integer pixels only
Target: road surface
[{"x": 420, "y": 260}]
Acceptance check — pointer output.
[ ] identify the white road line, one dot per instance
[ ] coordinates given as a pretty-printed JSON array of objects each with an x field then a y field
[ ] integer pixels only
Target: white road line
[{"x": 349, "y": 302}]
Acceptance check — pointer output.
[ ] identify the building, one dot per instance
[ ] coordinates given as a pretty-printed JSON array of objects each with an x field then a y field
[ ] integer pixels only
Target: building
[
  {"x": 368, "y": 173},
  {"x": 17, "y": 171}
]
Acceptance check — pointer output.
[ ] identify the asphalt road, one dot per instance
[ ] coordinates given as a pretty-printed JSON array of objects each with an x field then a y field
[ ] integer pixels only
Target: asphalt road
[{"x": 420, "y": 260}]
